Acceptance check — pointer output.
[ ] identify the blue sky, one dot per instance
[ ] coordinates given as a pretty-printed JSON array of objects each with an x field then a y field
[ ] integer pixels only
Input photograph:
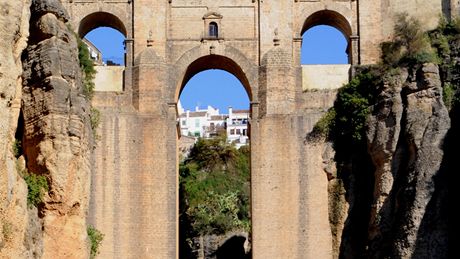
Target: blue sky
[{"x": 321, "y": 45}]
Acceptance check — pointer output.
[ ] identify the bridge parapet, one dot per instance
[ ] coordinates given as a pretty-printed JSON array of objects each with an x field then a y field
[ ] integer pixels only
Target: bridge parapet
[{"x": 324, "y": 77}]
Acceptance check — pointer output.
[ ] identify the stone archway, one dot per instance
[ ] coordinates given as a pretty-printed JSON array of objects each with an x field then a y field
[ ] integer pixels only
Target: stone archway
[
  {"x": 204, "y": 64},
  {"x": 101, "y": 19},
  {"x": 222, "y": 57},
  {"x": 214, "y": 62},
  {"x": 336, "y": 20}
]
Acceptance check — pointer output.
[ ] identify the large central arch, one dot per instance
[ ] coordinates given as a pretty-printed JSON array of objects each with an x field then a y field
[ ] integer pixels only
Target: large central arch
[
  {"x": 214, "y": 62},
  {"x": 209, "y": 62},
  {"x": 202, "y": 58}
]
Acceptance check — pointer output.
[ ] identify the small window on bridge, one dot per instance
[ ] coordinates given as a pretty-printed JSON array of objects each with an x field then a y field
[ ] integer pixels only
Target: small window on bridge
[{"x": 213, "y": 30}]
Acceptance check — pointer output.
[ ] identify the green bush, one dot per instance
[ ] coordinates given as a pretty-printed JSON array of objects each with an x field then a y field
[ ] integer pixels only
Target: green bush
[
  {"x": 323, "y": 127},
  {"x": 352, "y": 106},
  {"x": 215, "y": 188},
  {"x": 95, "y": 120},
  {"x": 36, "y": 186},
  {"x": 445, "y": 39},
  {"x": 410, "y": 45},
  {"x": 448, "y": 95},
  {"x": 17, "y": 148},
  {"x": 87, "y": 67},
  {"x": 95, "y": 238}
]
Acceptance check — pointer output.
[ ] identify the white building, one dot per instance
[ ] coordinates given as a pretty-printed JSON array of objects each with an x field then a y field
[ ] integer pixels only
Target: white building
[
  {"x": 196, "y": 123},
  {"x": 94, "y": 53},
  {"x": 207, "y": 123},
  {"x": 237, "y": 127}
]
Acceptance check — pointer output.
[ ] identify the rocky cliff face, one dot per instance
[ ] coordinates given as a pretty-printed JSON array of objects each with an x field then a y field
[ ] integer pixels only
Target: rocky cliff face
[
  {"x": 41, "y": 105},
  {"x": 406, "y": 133},
  {"x": 57, "y": 134},
  {"x": 18, "y": 223},
  {"x": 388, "y": 197}
]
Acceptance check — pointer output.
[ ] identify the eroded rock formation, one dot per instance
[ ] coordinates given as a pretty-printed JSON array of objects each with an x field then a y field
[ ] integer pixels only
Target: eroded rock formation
[
  {"x": 18, "y": 224},
  {"x": 405, "y": 139},
  {"x": 50, "y": 117},
  {"x": 404, "y": 158},
  {"x": 57, "y": 135}
]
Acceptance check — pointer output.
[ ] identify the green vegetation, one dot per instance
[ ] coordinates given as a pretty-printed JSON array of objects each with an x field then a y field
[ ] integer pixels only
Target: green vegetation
[
  {"x": 352, "y": 106},
  {"x": 36, "y": 186},
  {"x": 323, "y": 126},
  {"x": 214, "y": 188},
  {"x": 410, "y": 45},
  {"x": 95, "y": 238},
  {"x": 95, "y": 120},
  {"x": 87, "y": 67},
  {"x": 446, "y": 40},
  {"x": 347, "y": 119},
  {"x": 17, "y": 148},
  {"x": 450, "y": 95}
]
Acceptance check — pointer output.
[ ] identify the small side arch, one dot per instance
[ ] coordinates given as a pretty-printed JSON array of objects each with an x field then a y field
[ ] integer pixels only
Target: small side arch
[
  {"x": 331, "y": 18},
  {"x": 337, "y": 20},
  {"x": 101, "y": 19}
]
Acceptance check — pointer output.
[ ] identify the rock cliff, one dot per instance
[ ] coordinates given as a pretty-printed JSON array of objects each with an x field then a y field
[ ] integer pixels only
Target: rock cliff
[
  {"x": 388, "y": 190},
  {"x": 57, "y": 135},
  {"x": 18, "y": 223},
  {"x": 42, "y": 108},
  {"x": 406, "y": 132}
]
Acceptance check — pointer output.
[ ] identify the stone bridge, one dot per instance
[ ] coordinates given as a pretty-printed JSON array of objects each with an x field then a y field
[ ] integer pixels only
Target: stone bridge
[{"x": 134, "y": 193}]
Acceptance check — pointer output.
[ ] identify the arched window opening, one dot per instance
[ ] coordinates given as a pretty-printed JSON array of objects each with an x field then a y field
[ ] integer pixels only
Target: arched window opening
[
  {"x": 213, "y": 30},
  {"x": 214, "y": 161},
  {"x": 326, "y": 51},
  {"x": 324, "y": 44},
  {"x": 107, "y": 50},
  {"x": 106, "y": 46}
]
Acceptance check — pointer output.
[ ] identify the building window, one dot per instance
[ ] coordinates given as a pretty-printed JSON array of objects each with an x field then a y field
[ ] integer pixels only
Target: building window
[
  {"x": 238, "y": 132},
  {"x": 197, "y": 123},
  {"x": 213, "y": 30},
  {"x": 232, "y": 132},
  {"x": 244, "y": 132},
  {"x": 184, "y": 122}
]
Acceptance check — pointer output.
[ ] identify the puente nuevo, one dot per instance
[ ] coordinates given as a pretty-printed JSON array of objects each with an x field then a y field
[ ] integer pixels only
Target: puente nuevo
[
  {"x": 133, "y": 197},
  {"x": 134, "y": 193}
]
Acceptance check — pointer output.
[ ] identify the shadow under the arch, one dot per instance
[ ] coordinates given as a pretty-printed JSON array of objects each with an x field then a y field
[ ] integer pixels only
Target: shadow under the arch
[{"x": 233, "y": 248}]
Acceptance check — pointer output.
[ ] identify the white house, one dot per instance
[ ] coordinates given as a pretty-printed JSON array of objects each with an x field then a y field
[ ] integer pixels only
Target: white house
[
  {"x": 237, "y": 126},
  {"x": 195, "y": 123},
  {"x": 206, "y": 123}
]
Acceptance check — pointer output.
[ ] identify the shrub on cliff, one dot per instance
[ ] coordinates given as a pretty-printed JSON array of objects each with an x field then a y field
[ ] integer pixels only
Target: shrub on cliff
[
  {"x": 95, "y": 237},
  {"x": 87, "y": 67},
  {"x": 347, "y": 119},
  {"x": 446, "y": 40},
  {"x": 410, "y": 44},
  {"x": 36, "y": 186}
]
